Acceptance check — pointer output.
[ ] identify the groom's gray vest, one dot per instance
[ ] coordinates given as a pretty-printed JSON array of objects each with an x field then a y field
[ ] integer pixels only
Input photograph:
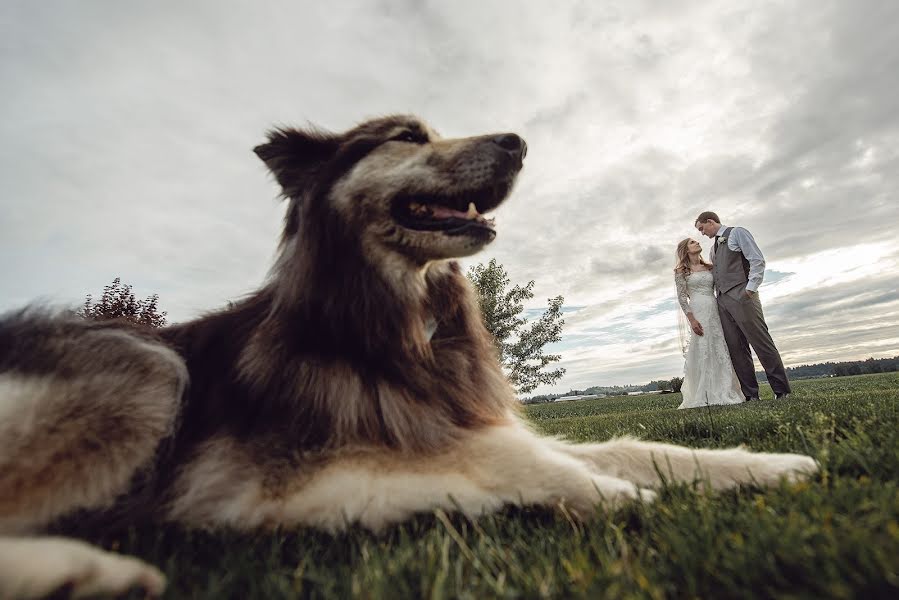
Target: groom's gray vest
[{"x": 729, "y": 268}]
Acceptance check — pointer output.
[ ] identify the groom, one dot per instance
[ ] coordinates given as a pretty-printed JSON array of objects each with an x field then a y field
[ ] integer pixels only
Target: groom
[{"x": 738, "y": 268}]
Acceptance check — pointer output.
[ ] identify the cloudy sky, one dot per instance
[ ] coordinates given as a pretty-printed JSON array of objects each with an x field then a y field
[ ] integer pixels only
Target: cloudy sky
[{"x": 127, "y": 130}]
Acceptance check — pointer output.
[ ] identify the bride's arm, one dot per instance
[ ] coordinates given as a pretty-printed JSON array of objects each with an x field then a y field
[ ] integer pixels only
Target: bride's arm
[{"x": 683, "y": 298}]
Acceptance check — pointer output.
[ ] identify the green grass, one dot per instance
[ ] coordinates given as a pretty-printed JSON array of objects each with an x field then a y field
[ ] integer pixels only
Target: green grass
[{"x": 836, "y": 536}]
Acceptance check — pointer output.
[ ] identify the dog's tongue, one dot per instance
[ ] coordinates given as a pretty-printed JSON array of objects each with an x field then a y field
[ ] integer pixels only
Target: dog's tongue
[{"x": 442, "y": 212}]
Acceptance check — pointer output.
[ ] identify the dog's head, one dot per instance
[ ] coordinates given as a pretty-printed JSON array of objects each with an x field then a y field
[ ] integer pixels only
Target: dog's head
[{"x": 394, "y": 185}]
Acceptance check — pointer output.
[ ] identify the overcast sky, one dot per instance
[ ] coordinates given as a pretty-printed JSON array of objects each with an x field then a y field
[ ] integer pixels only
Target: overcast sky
[{"x": 127, "y": 130}]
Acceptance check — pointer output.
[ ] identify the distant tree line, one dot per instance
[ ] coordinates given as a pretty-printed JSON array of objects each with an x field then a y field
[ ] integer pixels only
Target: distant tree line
[{"x": 839, "y": 369}]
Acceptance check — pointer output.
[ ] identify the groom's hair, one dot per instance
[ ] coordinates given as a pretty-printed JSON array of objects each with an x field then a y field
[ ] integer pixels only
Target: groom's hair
[{"x": 703, "y": 217}]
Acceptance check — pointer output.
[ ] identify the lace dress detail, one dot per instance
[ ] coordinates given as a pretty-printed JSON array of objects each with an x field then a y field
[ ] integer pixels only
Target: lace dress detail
[{"x": 709, "y": 376}]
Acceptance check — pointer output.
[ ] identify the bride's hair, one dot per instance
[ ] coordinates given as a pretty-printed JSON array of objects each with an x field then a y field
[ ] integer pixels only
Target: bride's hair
[{"x": 683, "y": 258}]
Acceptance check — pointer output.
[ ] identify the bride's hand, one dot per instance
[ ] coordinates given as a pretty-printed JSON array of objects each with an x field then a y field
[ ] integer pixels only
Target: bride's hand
[{"x": 696, "y": 326}]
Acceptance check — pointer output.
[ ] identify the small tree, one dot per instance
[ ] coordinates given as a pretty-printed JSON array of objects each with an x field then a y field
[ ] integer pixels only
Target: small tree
[
  {"x": 119, "y": 302},
  {"x": 524, "y": 359},
  {"x": 676, "y": 384}
]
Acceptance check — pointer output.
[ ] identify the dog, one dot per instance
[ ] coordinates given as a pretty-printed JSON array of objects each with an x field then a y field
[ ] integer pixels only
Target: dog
[{"x": 357, "y": 386}]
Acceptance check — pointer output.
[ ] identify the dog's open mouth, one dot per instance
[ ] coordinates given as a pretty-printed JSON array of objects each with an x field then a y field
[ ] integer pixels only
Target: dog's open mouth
[{"x": 455, "y": 214}]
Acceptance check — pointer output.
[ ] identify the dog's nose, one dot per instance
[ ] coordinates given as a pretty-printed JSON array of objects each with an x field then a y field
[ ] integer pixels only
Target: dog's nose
[{"x": 511, "y": 143}]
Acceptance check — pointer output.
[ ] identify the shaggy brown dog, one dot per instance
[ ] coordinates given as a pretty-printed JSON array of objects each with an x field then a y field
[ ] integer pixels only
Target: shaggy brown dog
[{"x": 359, "y": 385}]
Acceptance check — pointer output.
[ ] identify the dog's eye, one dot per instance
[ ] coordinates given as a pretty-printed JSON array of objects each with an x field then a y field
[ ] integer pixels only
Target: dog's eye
[{"x": 408, "y": 136}]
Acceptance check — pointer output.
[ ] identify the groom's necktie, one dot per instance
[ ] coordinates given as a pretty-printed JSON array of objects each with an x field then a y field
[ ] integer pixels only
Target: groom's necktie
[{"x": 712, "y": 260}]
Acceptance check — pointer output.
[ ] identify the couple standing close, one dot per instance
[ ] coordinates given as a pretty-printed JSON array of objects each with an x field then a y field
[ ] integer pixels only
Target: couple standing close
[{"x": 721, "y": 303}]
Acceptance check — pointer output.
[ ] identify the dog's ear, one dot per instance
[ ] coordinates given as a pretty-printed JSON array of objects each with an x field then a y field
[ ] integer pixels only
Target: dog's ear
[{"x": 294, "y": 156}]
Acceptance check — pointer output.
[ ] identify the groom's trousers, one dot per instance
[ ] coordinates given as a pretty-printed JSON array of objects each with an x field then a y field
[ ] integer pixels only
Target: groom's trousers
[{"x": 744, "y": 325}]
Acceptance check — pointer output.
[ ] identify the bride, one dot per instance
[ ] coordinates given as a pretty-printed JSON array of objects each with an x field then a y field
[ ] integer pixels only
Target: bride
[{"x": 709, "y": 376}]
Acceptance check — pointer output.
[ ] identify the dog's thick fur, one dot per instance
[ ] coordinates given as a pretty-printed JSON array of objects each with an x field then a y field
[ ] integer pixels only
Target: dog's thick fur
[{"x": 359, "y": 385}]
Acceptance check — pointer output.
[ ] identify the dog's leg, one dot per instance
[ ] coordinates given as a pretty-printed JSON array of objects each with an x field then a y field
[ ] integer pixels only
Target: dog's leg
[
  {"x": 38, "y": 567},
  {"x": 71, "y": 438},
  {"x": 520, "y": 467},
  {"x": 74, "y": 430},
  {"x": 648, "y": 463},
  {"x": 495, "y": 466}
]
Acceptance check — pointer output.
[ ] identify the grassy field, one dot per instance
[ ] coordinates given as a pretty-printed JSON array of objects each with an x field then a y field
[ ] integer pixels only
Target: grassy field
[{"x": 834, "y": 537}]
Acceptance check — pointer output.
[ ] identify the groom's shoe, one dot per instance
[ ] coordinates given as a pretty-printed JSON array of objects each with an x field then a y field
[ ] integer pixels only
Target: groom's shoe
[
  {"x": 783, "y": 396},
  {"x": 751, "y": 398}
]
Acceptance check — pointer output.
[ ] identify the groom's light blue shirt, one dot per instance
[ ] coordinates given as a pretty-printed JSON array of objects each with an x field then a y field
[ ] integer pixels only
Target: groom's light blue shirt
[{"x": 740, "y": 240}]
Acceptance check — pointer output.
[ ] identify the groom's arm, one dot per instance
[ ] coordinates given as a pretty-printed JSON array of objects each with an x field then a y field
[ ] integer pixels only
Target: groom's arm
[{"x": 746, "y": 244}]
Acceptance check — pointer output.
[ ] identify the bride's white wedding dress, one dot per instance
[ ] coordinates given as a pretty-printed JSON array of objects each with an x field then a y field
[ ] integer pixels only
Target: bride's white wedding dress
[{"x": 709, "y": 376}]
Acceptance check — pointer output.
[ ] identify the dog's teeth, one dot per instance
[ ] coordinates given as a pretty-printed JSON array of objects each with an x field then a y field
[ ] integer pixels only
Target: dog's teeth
[{"x": 472, "y": 211}]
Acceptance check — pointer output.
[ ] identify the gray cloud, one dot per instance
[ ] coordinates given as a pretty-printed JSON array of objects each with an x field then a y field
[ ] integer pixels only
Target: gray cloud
[{"x": 127, "y": 133}]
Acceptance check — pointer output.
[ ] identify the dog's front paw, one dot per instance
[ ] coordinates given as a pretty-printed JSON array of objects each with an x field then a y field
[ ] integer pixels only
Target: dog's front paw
[
  {"x": 792, "y": 467},
  {"x": 800, "y": 467}
]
